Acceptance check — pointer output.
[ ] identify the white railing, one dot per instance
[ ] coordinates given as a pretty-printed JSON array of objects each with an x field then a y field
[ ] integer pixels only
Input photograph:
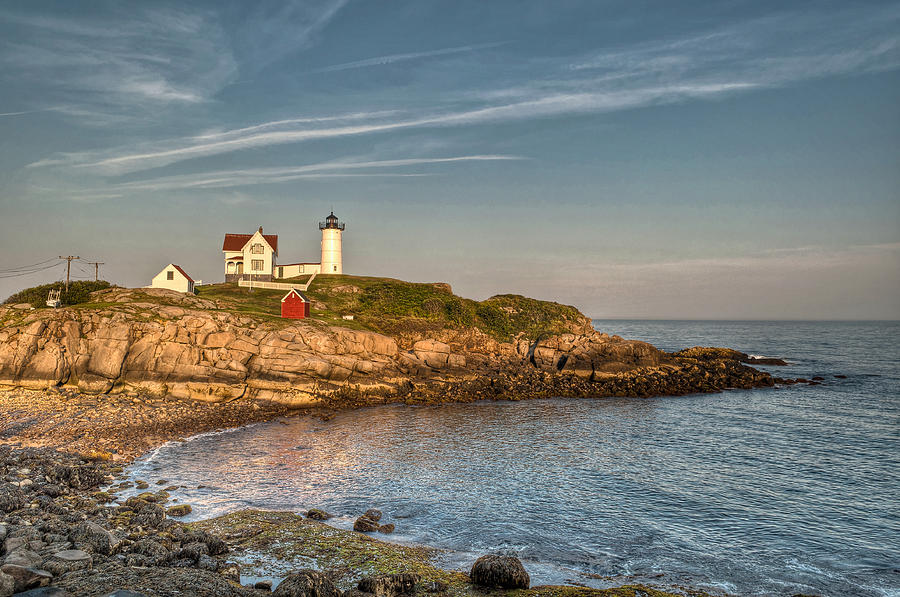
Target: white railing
[{"x": 277, "y": 285}]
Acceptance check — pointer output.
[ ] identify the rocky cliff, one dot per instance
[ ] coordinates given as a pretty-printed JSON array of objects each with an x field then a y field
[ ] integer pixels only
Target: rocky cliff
[{"x": 185, "y": 346}]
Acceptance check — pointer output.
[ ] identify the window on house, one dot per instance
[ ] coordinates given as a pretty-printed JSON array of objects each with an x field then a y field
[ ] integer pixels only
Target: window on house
[
  {"x": 257, "y": 248},
  {"x": 280, "y": 272},
  {"x": 170, "y": 275},
  {"x": 301, "y": 269},
  {"x": 257, "y": 265},
  {"x": 335, "y": 267}
]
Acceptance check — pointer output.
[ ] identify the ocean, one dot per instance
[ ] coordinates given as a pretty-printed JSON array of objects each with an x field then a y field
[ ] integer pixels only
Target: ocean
[{"x": 778, "y": 491}]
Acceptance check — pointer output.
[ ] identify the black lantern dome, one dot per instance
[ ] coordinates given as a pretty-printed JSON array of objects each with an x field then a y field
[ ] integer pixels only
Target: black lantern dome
[{"x": 331, "y": 222}]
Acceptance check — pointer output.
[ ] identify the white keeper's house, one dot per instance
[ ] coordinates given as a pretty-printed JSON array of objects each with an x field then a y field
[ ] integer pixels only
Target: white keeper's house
[
  {"x": 173, "y": 277},
  {"x": 254, "y": 256}
]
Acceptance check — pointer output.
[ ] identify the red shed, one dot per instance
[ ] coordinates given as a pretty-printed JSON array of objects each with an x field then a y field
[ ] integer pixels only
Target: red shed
[{"x": 294, "y": 305}]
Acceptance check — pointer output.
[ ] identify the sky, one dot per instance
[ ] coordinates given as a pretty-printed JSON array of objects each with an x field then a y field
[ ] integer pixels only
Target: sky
[{"x": 727, "y": 159}]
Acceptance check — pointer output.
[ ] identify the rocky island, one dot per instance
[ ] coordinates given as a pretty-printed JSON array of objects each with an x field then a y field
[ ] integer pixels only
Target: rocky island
[{"x": 129, "y": 369}]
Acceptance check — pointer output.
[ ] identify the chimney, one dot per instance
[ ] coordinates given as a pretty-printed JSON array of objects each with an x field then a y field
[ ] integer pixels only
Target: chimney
[{"x": 260, "y": 229}]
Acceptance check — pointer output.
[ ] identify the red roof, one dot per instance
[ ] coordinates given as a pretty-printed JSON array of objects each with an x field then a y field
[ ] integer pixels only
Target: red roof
[
  {"x": 236, "y": 242},
  {"x": 299, "y": 294},
  {"x": 183, "y": 273}
]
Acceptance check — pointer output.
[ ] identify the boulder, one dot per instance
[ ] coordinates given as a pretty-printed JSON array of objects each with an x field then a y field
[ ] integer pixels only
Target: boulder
[
  {"x": 365, "y": 524},
  {"x": 307, "y": 583},
  {"x": 179, "y": 510},
  {"x": 373, "y": 514},
  {"x": 7, "y": 585},
  {"x": 214, "y": 544},
  {"x": 135, "y": 503},
  {"x": 150, "y": 516},
  {"x": 387, "y": 529},
  {"x": 78, "y": 477},
  {"x": 504, "y": 572},
  {"x": 67, "y": 561},
  {"x": 150, "y": 551},
  {"x": 205, "y": 562},
  {"x": 11, "y": 544},
  {"x": 23, "y": 557},
  {"x": 93, "y": 538},
  {"x": 389, "y": 585},
  {"x": 26, "y": 578},
  {"x": 433, "y": 353},
  {"x": 193, "y": 551},
  {"x": 316, "y": 514},
  {"x": 11, "y": 498}
]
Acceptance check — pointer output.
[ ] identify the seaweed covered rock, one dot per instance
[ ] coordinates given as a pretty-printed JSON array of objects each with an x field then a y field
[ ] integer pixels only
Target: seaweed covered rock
[
  {"x": 317, "y": 514},
  {"x": 389, "y": 585},
  {"x": 179, "y": 510},
  {"x": 93, "y": 538},
  {"x": 307, "y": 583},
  {"x": 67, "y": 560},
  {"x": 504, "y": 572},
  {"x": 150, "y": 516},
  {"x": 11, "y": 498},
  {"x": 78, "y": 477},
  {"x": 364, "y": 524},
  {"x": 149, "y": 552}
]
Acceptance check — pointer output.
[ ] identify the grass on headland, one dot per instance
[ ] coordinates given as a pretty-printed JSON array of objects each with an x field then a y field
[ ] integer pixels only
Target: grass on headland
[
  {"x": 391, "y": 306},
  {"x": 384, "y": 305}
]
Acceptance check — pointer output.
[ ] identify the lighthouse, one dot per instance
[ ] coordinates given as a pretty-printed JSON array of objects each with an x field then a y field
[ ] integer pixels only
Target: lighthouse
[{"x": 332, "y": 228}]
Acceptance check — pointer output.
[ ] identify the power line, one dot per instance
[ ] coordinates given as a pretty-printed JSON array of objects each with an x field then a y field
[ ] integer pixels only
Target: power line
[
  {"x": 28, "y": 273},
  {"x": 25, "y": 267}
]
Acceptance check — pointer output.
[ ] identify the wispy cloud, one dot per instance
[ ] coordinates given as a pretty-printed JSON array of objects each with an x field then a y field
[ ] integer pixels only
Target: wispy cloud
[
  {"x": 754, "y": 55},
  {"x": 121, "y": 62},
  {"x": 764, "y": 53},
  {"x": 256, "y": 176},
  {"x": 271, "y": 31},
  {"x": 21, "y": 113},
  {"x": 393, "y": 58},
  {"x": 267, "y": 134}
]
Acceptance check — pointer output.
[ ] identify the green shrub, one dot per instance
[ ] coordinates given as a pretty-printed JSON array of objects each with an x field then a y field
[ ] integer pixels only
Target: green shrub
[
  {"x": 79, "y": 292},
  {"x": 460, "y": 312}
]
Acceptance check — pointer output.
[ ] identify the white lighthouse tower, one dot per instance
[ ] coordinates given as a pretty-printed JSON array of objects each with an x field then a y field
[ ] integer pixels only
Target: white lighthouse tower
[{"x": 332, "y": 261}]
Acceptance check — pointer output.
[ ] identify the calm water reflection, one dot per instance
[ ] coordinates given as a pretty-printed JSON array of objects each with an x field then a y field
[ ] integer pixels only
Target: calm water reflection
[{"x": 756, "y": 492}]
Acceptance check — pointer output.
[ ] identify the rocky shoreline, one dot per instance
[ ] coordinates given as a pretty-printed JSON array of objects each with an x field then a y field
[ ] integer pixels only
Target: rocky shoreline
[
  {"x": 122, "y": 426},
  {"x": 60, "y": 535},
  {"x": 195, "y": 350}
]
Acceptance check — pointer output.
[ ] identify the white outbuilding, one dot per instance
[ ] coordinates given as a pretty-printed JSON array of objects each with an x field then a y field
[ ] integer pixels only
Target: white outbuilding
[{"x": 173, "y": 278}]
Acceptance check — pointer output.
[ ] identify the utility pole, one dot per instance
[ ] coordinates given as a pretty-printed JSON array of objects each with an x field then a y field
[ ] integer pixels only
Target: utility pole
[
  {"x": 96, "y": 265},
  {"x": 68, "y": 259}
]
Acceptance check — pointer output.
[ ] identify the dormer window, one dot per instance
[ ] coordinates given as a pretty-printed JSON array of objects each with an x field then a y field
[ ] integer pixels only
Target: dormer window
[{"x": 257, "y": 249}]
